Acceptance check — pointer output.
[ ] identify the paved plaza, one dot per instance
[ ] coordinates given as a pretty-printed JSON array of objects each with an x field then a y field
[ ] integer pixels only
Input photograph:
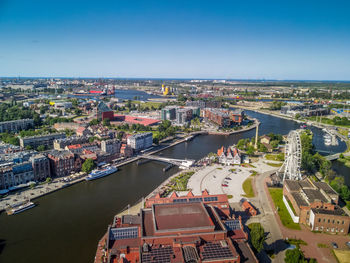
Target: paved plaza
[{"x": 215, "y": 178}]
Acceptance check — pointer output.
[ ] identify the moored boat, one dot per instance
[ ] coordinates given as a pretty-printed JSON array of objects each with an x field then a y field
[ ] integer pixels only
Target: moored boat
[
  {"x": 102, "y": 172},
  {"x": 15, "y": 209}
]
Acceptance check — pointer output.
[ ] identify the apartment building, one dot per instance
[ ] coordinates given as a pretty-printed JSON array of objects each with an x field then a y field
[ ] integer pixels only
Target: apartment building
[
  {"x": 46, "y": 140},
  {"x": 140, "y": 141},
  {"x": 16, "y": 125}
]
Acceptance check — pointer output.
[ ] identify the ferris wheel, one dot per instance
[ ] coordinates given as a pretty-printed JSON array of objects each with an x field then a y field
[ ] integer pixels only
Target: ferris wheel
[{"x": 292, "y": 161}]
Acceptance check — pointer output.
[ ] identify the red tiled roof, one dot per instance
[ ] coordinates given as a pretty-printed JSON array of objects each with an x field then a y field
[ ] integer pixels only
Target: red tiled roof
[
  {"x": 74, "y": 146},
  {"x": 137, "y": 120},
  {"x": 221, "y": 150},
  {"x": 81, "y": 129}
]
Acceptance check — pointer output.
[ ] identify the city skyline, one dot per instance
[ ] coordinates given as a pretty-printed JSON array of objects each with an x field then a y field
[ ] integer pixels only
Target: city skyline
[{"x": 167, "y": 39}]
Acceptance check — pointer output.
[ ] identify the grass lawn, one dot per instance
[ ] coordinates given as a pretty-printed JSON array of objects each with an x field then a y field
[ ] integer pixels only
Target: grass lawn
[
  {"x": 253, "y": 173},
  {"x": 248, "y": 188},
  {"x": 343, "y": 256},
  {"x": 275, "y": 164},
  {"x": 148, "y": 104},
  {"x": 276, "y": 195},
  {"x": 275, "y": 157}
]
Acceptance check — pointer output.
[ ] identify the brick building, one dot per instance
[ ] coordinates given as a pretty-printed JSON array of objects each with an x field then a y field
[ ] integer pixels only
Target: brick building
[
  {"x": 62, "y": 163},
  {"x": 218, "y": 116},
  {"x": 237, "y": 116},
  {"x": 104, "y": 112},
  {"x": 219, "y": 201},
  {"x": 315, "y": 204},
  {"x": 175, "y": 232}
]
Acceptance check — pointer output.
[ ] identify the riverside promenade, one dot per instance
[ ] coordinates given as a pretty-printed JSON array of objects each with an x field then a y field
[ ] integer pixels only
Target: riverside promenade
[{"x": 40, "y": 190}]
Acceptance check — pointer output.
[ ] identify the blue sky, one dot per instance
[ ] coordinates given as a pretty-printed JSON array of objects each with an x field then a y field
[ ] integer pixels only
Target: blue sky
[{"x": 176, "y": 39}]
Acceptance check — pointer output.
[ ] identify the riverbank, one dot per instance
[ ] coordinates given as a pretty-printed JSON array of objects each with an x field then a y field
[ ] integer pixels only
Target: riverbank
[
  {"x": 248, "y": 128},
  {"x": 135, "y": 208},
  {"x": 308, "y": 122}
]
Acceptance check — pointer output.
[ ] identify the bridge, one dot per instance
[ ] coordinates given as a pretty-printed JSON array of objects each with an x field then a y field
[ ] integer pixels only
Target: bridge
[
  {"x": 332, "y": 157},
  {"x": 335, "y": 156},
  {"x": 183, "y": 164}
]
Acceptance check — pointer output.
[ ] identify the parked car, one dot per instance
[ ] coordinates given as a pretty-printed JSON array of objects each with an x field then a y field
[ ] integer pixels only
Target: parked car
[
  {"x": 224, "y": 185},
  {"x": 334, "y": 245},
  {"x": 228, "y": 178}
]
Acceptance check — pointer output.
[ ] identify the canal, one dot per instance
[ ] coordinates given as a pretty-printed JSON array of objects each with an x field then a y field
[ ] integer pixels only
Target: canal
[{"x": 66, "y": 225}]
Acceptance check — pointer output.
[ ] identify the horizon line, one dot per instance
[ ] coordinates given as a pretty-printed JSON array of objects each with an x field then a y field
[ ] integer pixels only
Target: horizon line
[{"x": 177, "y": 78}]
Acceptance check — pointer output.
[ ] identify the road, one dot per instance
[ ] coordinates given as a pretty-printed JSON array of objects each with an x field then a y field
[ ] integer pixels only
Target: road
[{"x": 267, "y": 219}]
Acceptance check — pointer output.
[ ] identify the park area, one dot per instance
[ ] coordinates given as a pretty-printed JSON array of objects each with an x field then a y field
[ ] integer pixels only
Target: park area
[{"x": 276, "y": 195}]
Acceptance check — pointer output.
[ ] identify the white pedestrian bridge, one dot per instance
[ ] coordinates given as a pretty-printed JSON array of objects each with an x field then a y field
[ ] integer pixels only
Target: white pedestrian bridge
[{"x": 182, "y": 163}]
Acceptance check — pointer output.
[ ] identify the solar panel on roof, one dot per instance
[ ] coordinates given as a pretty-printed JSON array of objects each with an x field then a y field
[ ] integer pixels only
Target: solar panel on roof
[
  {"x": 158, "y": 255},
  {"x": 124, "y": 233},
  {"x": 232, "y": 225},
  {"x": 216, "y": 251}
]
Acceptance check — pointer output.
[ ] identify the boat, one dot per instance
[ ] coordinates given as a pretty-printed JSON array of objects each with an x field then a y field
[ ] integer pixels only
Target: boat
[
  {"x": 15, "y": 209},
  {"x": 327, "y": 139},
  {"x": 102, "y": 172}
]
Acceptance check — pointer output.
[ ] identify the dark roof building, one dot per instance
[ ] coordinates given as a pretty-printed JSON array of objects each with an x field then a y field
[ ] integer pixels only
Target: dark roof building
[{"x": 315, "y": 204}]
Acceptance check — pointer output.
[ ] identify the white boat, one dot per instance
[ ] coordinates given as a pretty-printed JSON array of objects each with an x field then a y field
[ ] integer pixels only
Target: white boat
[
  {"x": 102, "y": 172},
  {"x": 327, "y": 139},
  {"x": 15, "y": 209}
]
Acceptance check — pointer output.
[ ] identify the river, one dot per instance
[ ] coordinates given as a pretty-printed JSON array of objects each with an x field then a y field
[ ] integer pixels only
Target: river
[{"x": 66, "y": 225}]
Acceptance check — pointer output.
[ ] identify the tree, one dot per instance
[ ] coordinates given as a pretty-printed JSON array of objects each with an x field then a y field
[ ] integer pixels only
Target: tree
[
  {"x": 262, "y": 148},
  {"x": 106, "y": 122},
  {"x": 297, "y": 116},
  {"x": 294, "y": 256},
  {"x": 41, "y": 148},
  {"x": 257, "y": 234},
  {"x": 250, "y": 150},
  {"x": 48, "y": 180},
  {"x": 94, "y": 122},
  {"x": 29, "y": 147},
  {"x": 88, "y": 165}
]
